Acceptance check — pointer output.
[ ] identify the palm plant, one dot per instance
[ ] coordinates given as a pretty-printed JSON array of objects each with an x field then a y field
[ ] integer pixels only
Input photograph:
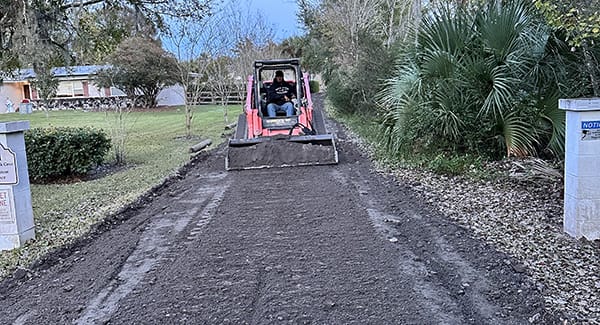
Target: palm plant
[{"x": 480, "y": 77}]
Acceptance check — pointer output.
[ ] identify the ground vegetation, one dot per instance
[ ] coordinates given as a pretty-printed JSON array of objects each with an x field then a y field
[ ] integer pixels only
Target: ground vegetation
[
  {"x": 448, "y": 79},
  {"x": 67, "y": 210}
]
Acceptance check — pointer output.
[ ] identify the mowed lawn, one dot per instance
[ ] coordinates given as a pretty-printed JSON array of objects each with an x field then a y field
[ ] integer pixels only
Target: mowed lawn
[{"x": 156, "y": 146}]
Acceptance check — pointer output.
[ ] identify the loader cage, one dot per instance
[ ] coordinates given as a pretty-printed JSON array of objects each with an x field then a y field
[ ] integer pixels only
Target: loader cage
[{"x": 261, "y": 141}]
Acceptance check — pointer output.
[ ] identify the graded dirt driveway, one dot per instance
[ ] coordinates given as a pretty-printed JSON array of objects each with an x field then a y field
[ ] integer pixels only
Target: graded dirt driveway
[{"x": 336, "y": 244}]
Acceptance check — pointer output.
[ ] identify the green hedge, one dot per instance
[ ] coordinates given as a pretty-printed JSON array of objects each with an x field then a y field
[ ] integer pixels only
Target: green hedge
[
  {"x": 314, "y": 86},
  {"x": 54, "y": 153}
]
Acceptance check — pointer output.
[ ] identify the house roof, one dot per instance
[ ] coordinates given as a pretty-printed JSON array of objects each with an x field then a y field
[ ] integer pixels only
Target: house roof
[{"x": 72, "y": 71}]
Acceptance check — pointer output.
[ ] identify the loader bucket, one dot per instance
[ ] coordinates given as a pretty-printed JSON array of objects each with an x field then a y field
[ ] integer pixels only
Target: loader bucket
[{"x": 281, "y": 152}]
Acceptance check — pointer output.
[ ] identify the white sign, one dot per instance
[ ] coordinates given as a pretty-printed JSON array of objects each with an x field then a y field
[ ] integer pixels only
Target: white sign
[
  {"x": 6, "y": 206},
  {"x": 8, "y": 166},
  {"x": 587, "y": 135}
]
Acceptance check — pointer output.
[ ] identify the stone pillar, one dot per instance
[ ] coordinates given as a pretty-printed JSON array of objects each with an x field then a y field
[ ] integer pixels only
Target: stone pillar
[
  {"x": 16, "y": 214},
  {"x": 582, "y": 167}
]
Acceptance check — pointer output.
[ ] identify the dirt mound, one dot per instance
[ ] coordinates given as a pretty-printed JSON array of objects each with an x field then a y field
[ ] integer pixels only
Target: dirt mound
[{"x": 280, "y": 153}]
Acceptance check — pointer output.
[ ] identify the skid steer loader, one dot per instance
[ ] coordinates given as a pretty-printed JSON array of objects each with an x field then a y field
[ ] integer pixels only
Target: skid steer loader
[{"x": 261, "y": 141}]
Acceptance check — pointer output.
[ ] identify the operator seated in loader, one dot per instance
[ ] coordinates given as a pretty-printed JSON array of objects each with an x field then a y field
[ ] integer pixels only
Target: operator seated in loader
[{"x": 279, "y": 96}]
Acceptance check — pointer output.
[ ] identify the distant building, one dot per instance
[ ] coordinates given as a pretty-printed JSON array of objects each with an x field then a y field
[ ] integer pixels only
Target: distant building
[{"x": 75, "y": 88}]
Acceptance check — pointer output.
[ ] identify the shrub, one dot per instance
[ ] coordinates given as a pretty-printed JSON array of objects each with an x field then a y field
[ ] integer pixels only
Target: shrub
[
  {"x": 314, "y": 86},
  {"x": 339, "y": 94},
  {"x": 64, "y": 152}
]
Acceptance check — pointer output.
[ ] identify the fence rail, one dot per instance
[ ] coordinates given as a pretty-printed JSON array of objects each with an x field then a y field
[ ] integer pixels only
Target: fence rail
[{"x": 234, "y": 95}]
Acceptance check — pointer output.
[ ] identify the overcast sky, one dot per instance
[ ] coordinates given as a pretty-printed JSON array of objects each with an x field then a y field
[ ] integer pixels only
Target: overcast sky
[{"x": 281, "y": 14}]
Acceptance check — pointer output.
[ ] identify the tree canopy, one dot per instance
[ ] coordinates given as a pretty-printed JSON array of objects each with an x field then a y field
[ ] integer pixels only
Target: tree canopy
[
  {"x": 580, "y": 19},
  {"x": 141, "y": 68},
  {"x": 43, "y": 33}
]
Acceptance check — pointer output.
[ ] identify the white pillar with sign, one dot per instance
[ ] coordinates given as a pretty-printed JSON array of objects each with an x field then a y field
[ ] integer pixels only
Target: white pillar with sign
[
  {"x": 16, "y": 214},
  {"x": 582, "y": 167}
]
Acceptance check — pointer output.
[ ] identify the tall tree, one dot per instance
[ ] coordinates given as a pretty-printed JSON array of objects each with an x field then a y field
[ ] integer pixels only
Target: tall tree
[
  {"x": 221, "y": 51},
  {"x": 28, "y": 28},
  {"x": 351, "y": 43},
  {"x": 581, "y": 23},
  {"x": 194, "y": 44},
  {"x": 141, "y": 68},
  {"x": 100, "y": 30},
  {"x": 46, "y": 85}
]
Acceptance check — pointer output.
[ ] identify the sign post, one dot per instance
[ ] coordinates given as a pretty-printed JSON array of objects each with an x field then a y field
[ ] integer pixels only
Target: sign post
[
  {"x": 582, "y": 174},
  {"x": 16, "y": 213}
]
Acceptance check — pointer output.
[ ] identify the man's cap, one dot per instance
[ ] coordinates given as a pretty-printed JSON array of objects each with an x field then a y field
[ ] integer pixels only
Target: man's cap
[{"x": 279, "y": 73}]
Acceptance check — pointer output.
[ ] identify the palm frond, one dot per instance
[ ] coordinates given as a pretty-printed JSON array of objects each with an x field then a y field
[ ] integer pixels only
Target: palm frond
[
  {"x": 444, "y": 110},
  {"x": 404, "y": 83},
  {"x": 446, "y": 32},
  {"x": 519, "y": 136},
  {"x": 399, "y": 99},
  {"x": 556, "y": 119},
  {"x": 394, "y": 124},
  {"x": 499, "y": 98},
  {"x": 438, "y": 64}
]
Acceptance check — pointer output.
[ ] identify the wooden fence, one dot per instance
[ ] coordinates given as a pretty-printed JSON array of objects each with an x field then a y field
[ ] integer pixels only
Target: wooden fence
[{"x": 235, "y": 95}]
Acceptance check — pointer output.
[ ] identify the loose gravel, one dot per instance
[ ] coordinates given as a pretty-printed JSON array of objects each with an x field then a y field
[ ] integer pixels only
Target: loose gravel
[{"x": 520, "y": 213}]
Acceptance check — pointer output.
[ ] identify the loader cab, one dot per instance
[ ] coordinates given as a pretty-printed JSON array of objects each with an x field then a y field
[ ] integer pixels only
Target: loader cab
[
  {"x": 265, "y": 79},
  {"x": 264, "y": 74}
]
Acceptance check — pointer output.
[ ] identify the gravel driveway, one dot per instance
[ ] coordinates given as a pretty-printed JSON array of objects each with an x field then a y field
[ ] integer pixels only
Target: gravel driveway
[{"x": 339, "y": 244}]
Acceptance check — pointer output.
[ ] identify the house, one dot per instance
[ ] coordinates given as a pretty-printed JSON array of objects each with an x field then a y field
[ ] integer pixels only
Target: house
[
  {"x": 73, "y": 83},
  {"x": 76, "y": 89}
]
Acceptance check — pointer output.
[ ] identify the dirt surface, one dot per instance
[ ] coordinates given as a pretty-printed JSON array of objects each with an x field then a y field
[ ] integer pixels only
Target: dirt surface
[
  {"x": 335, "y": 244},
  {"x": 281, "y": 152}
]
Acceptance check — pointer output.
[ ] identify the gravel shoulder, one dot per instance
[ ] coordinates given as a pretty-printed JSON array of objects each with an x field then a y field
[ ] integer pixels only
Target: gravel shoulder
[
  {"x": 524, "y": 221},
  {"x": 343, "y": 244},
  {"x": 521, "y": 214}
]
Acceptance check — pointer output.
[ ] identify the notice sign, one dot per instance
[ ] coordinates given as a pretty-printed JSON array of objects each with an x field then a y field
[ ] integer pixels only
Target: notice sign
[
  {"x": 589, "y": 125},
  {"x": 6, "y": 209},
  {"x": 8, "y": 166}
]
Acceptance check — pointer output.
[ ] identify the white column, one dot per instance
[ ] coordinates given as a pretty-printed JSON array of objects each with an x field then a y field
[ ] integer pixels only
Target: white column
[
  {"x": 582, "y": 167},
  {"x": 16, "y": 214}
]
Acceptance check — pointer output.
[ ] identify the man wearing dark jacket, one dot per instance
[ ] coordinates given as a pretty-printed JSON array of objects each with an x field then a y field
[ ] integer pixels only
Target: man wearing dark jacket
[{"x": 279, "y": 96}]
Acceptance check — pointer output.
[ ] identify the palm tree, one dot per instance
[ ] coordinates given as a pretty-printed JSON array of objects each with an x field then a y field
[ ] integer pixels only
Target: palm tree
[{"x": 475, "y": 83}]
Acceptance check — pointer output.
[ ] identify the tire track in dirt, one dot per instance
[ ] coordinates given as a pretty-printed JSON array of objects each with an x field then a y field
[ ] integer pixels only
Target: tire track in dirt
[
  {"x": 460, "y": 277},
  {"x": 309, "y": 245},
  {"x": 287, "y": 251},
  {"x": 437, "y": 298},
  {"x": 151, "y": 249},
  {"x": 61, "y": 288}
]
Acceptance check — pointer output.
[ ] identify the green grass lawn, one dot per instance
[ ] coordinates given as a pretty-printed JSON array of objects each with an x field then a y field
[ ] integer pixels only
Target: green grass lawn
[{"x": 156, "y": 147}]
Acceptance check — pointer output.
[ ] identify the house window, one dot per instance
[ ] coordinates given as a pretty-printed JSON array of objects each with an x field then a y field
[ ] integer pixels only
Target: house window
[
  {"x": 116, "y": 92},
  {"x": 69, "y": 89},
  {"x": 78, "y": 88},
  {"x": 65, "y": 89}
]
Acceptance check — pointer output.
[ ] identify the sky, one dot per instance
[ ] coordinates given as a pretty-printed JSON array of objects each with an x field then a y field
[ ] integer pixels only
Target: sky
[{"x": 281, "y": 15}]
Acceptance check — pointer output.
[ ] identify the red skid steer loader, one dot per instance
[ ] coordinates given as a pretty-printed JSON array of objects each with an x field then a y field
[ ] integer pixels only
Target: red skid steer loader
[{"x": 263, "y": 141}]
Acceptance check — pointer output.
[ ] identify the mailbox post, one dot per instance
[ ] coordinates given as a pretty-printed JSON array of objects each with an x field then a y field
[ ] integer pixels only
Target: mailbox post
[
  {"x": 582, "y": 167},
  {"x": 16, "y": 214}
]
